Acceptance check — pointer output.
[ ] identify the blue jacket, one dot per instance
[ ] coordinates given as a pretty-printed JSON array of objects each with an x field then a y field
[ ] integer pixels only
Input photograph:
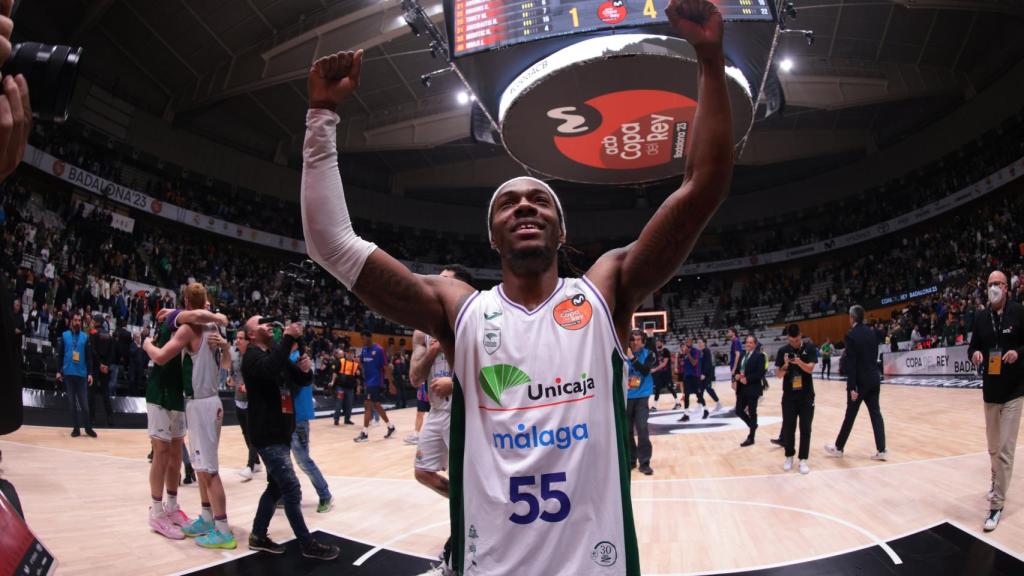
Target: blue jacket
[
  {"x": 640, "y": 367},
  {"x": 70, "y": 344},
  {"x": 302, "y": 397}
]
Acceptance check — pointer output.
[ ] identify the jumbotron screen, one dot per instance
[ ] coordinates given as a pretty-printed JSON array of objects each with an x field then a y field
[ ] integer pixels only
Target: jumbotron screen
[{"x": 478, "y": 25}]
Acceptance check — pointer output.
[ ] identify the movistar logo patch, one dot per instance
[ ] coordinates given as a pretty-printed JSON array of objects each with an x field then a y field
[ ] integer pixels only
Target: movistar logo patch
[
  {"x": 491, "y": 315},
  {"x": 496, "y": 379}
]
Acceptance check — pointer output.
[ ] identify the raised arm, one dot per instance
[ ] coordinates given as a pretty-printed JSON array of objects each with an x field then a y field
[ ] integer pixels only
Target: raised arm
[
  {"x": 627, "y": 275},
  {"x": 428, "y": 303}
]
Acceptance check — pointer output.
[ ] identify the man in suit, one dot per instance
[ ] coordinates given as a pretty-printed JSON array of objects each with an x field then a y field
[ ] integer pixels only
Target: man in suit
[
  {"x": 746, "y": 381},
  {"x": 997, "y": 342},
  {"x": 863, "y": 384}
]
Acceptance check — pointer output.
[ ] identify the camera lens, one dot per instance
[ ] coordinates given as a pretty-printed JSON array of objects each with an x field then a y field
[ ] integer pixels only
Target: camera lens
[{"x": 51, "y": 72}]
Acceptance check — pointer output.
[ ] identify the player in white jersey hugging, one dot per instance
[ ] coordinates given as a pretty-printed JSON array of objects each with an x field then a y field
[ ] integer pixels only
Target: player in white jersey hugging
[
  {"x": 205, "y": 351},
  {"x": 538, "y": 467}
]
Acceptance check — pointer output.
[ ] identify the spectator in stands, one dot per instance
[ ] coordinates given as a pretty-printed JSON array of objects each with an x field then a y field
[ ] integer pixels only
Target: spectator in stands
[
  {"x": 75, "y": 354},
  {"x": 997, "y": 342},
  {"x": 43, "y": 324},
  {"x": 100, "y": 388}
]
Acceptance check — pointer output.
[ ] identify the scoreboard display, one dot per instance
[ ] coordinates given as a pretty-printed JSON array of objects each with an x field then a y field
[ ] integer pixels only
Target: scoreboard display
[{"x": 480, "y": 25}]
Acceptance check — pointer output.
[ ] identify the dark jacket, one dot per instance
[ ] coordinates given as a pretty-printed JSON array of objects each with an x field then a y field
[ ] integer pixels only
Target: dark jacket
[
  {"x": 707, "y": 366},
  {"x": 265, "y": 373},
  {"x": 1010, "y": 383},
  {"x": 754, "y": 372},
  {"x": 122, "y": 346},
  {"x": 103, "y": 354},
  {"x": 861, "y": 360}
]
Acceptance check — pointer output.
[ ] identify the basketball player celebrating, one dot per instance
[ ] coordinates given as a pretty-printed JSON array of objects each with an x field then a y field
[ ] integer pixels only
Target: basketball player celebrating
[
  {"x": 539, "y": 475},
  {"x": 204, "y": 413},
  {"x": 165, "y": 408}
]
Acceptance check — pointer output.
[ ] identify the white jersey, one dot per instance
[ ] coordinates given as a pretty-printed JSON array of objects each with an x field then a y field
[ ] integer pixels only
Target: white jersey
[
  {"x": 539, "y": 469},
  {"x": 205, "y": 369},
  {"x": 439, "y": 369}
]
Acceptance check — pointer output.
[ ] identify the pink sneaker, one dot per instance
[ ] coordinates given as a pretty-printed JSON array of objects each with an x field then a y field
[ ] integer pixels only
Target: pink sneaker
[
  {"x": 178, "y": 517},
  {"x": 163, "y": 526}
]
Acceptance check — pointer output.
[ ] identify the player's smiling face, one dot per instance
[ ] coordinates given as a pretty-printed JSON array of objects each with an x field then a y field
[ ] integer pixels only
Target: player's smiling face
[{"x": 525, "y": 223}]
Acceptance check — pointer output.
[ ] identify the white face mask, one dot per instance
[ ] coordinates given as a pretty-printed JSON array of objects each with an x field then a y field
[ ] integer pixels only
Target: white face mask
[{"x": 995, "y": 294}]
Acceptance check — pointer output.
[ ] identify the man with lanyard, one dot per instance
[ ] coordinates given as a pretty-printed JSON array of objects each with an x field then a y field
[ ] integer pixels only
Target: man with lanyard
[
  {"x": 346, "y": 380},
  {"x": 76, "y": 372},
  {"x": 641, "y": 385},
  {"x": 374, "y": 362},
  {"x": 795, "y": 366},
  {"x": 826, "y": 359},
  {"x": 997, "y": 342},
  {"x": 539, "y": 469}
]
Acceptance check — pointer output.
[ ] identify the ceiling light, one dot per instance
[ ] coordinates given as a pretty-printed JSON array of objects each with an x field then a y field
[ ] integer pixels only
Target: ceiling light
[
  {"x": 462, "y": 97},
  {"x": 786, "y": 65}
]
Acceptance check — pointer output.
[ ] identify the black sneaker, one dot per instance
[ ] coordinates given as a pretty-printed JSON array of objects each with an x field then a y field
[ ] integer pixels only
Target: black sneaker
[
  {"x": 748, "y": 442},
  {"x": 349, "y": 423},
  {"x": 335, "y": 422},
  {"x": 685, "y": 418},
  {"x": 654, "y": 409},
  {"x": 76, "y": 433},
  {"x": 265, "y": 544},
  {"x": 361, "y": 438},
  {"x": 90, "y": 432},
  {"x": 777, "y": 441},
  {"x": 318, "y": 551},
  {"x": 391, "y": 430},
  {"x": 706, "y": 413},
  {"x": 646, "y": 470},
  {"x": 632, "y": 466}
]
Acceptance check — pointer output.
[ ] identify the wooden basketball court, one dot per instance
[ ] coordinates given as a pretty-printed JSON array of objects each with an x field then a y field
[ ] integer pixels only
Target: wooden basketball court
[{"x": 710, "y": 507}]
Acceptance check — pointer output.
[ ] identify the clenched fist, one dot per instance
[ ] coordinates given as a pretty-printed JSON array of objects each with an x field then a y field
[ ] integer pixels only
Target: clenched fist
[
  {"x": 334, "y": 78},
  {"x": 698, "y": 22}
]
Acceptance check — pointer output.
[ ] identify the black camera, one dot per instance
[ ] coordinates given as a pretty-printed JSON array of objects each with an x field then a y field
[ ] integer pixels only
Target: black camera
[{"x": 51, "y": 72}]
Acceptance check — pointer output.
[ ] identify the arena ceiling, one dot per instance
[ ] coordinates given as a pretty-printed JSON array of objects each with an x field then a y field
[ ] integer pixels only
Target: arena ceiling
[{"x": 233, "y": 70}]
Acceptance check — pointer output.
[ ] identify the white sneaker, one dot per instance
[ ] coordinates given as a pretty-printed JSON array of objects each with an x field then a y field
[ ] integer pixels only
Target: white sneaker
[
  {"x": 257, "y": 468},
  {"x": 804, "y": 468},
  {"x": 718, "y": 406},
  {"x": 832, "y": 451},
  {"x": 788, "y": 464},
  {"x": 993, "y": 520},
  {"x": 881, "y": 456},
  {"x": 246, "y": 474},
  {"x": 412, "y": 439}
]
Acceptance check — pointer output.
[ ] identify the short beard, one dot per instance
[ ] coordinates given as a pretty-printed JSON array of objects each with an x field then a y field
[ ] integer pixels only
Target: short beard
[{"x": 531, "y": 261}]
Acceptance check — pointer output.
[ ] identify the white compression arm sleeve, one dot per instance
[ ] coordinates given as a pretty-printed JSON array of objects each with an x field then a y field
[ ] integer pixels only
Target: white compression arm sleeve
[{"x": 330, "y": 240}]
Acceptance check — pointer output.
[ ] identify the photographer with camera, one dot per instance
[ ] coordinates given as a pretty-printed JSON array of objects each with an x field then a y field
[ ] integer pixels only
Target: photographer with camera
[
  {"x": 795, "y": 364},
  {"x": 268, "y": 376}
]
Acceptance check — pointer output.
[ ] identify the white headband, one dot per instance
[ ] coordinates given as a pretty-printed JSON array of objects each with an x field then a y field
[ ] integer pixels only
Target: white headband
[{"x": 542, "y": 184}]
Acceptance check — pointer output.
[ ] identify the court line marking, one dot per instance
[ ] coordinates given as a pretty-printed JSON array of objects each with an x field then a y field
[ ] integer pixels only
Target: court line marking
[
  {"x": 802, "y": 560},
  {"x": 359, "y": 561},
  {"x": 878, "y": 541},
  {"x": 370, "y": 544},
  {"x": 981, "y": 536}
]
